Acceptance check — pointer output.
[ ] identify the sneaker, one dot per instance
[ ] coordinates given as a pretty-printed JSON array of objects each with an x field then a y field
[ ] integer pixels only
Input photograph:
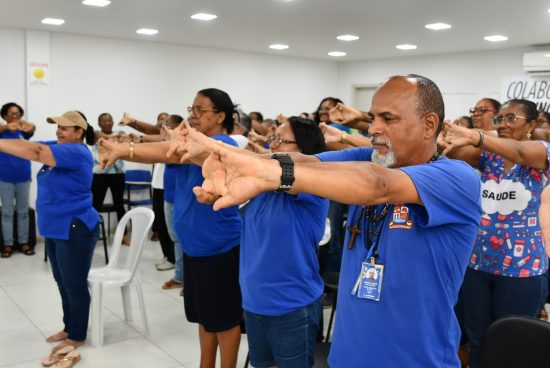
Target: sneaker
[
  {"x": 171, "y": 284},
  {"x": 165, "y": 266},
  {"x": 161, "y": 262}
]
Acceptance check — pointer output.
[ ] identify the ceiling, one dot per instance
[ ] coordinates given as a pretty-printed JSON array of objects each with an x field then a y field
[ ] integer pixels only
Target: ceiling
[{"x": 309, "y": 27}]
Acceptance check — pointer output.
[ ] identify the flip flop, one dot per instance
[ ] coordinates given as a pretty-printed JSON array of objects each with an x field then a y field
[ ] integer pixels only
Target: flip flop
[
  {"x": 68, "y": 360},
  {"x": 57, "y": 355},
  {"x": 27, "y": 250}
]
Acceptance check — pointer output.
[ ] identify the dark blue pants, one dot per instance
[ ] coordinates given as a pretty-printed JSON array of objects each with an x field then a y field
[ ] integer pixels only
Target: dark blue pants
[
  {"x": 489, "y": 297},
  {"x": 286, "y": 341},
  {"x": 71, "y": 261}
]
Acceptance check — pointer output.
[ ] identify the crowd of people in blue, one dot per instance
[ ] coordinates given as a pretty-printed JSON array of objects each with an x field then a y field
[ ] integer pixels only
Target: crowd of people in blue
[{"x": 437, "y": 228}]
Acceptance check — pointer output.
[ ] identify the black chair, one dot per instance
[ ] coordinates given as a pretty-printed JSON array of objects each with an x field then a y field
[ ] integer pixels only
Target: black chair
[
  {"x": 514, "y": 342},
  {"x": 138, "y": 180},
  {"x": 107, "y": 208},
  {"x": 331, "y": 288},
  {"x": 321, "y": 354},
  {"x": 102, "y": 237}
]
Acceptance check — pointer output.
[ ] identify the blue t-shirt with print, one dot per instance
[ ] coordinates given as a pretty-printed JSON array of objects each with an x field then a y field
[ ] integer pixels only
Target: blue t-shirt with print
[
  {"x": 64, "y": 191},
  {"x": 424, "y": 250},
  {"x": 14, "y": 169},
  {"x": 509, "y": 242},
  {"x": 201, "y": 230},
  {"x": 279, "y": 270}
]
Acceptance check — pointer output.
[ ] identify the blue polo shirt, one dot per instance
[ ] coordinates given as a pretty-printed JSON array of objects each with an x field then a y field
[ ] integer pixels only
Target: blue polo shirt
[
  {"x": 64, "y": 191},
  {"x": 279, "y": 270},
  {"x": 424, "y": 250},
  {"x": 201, "y": 230},
  {"x": 14, "y": 169}
]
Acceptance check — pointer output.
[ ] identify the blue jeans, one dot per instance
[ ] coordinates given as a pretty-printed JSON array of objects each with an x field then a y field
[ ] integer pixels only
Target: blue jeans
[
  {"x": 489, "y": 297},
  {"x": 286, "y": 341},
  {"x": 178, "y": 254},
  {"x": 18, "y": 192},
  {"x": 71, "y": 261}
]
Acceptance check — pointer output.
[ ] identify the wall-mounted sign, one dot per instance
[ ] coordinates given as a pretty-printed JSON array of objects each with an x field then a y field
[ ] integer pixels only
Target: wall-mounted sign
[
  {"x": 536, "y": 89},
  {"x": 38, "y": 74}
]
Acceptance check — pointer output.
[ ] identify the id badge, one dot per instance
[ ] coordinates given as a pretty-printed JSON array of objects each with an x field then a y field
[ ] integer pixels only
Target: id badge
[{"x": 370, "y": 281}]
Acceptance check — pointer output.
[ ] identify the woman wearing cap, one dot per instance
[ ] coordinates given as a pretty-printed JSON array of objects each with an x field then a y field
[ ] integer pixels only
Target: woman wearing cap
[{"x": 66, "y": 217}]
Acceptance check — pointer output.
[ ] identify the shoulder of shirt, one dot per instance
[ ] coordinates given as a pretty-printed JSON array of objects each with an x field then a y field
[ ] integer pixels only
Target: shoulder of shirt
[{"x": 226, "y": 139}]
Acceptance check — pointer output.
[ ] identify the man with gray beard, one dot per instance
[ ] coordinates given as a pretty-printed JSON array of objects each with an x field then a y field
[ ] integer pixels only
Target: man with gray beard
[{"x": 412, "y": 224}]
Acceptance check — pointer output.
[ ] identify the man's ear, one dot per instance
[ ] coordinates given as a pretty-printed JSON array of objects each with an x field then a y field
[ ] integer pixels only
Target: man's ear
[{"x": 431, "y": 124}]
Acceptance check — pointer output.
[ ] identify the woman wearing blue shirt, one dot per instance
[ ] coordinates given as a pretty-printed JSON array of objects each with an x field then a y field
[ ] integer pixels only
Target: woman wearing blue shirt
[
  {"x": 209, "y": 239},
  {"x": 66, "y": 217},
  {"x": 15, "y": 181},
  {"x": 279, "y": 275}
]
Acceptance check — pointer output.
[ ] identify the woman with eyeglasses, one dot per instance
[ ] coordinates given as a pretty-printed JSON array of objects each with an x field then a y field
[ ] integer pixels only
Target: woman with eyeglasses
[
  {"x": 209, "y": 239},
  {"x": 279, "y": 272},
  {"x": 506, "y": 274},
  {"x": 15, "y": 182},
  {"x": 280, "y": 280},
  {"x": 483, "y": 112}
]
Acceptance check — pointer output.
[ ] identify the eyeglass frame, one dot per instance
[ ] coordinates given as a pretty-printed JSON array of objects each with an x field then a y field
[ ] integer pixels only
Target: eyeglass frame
[
  {"x": 193, "y": 109},
  {"x": 510, "y": 119},
  {"x": 276, "y": 141},
  {"x": 481, "y": 109}
]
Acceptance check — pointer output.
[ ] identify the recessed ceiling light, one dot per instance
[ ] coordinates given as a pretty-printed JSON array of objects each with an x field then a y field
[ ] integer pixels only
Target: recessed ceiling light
[
  {"x": 96, "y": 2},
  {"x": 547, "y": 55},
  {"x": 347, "y": 37},
  {"x": 204, "y": 16},
  {"x": 278, "y": 46},
  {"x": 147, "y": 31},
  {"x": 53, "y": 21},
  {"x": 406, "y": 47},
  {"x": 337, "y": 53},
  {"x": 495, "y": 38},
  {"x": 438, "y": 26}
]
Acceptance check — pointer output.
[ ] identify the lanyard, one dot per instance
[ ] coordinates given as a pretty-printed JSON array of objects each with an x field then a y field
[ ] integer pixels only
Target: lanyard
[{"x": 373, "y": 234}]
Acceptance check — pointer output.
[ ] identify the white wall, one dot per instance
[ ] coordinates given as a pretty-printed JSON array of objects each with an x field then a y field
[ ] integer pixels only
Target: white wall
[
  {"x": 144, "y": 78},
  {"x": 12, "y": 70},
  {"x": 463, "y": 78}
]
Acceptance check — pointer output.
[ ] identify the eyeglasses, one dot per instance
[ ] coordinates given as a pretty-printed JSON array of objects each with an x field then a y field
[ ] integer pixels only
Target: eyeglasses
[
  {"x": 198, "y": 111},
  {"x": 13, "y": 113},
  {"x": 509, "y": 118},
  {"x": 481, "y": 109},
  {"x": 276, "y": 141}
]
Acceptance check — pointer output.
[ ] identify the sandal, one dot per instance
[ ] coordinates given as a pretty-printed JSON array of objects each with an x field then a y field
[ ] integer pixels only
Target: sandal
[
  {"x": 7, "y": 251},
  {"x": 56, "y": 356},
  {"x": 27, "y": 250},
  {"x": 68, "y": 360}
]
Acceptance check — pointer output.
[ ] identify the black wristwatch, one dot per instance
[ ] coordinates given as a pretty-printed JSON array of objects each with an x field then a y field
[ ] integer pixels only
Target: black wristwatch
[{"x": 287, "y": 167}]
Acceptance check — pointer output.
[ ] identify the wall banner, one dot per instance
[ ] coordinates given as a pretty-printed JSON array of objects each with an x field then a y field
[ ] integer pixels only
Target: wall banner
[{"x": 535, "y": 88}]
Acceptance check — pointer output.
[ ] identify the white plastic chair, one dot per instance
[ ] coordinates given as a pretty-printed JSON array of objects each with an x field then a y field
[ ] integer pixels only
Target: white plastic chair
[{"x": 121, "y": 276}]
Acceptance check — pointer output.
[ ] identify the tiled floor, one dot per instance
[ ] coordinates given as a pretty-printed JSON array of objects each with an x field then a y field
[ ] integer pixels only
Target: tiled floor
[{"x": 30, "y": 310}]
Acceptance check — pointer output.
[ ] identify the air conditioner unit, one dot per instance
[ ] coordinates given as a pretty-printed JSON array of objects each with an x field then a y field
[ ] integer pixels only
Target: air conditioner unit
[{"x": 537, "y": 62}]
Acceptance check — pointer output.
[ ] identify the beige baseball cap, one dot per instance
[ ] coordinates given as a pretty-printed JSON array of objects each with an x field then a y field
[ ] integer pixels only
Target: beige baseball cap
[{"x": 70, "y": 118}]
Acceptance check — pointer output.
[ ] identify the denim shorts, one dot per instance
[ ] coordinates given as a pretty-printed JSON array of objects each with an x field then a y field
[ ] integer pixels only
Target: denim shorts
[{"x": 286, "y": 341}]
